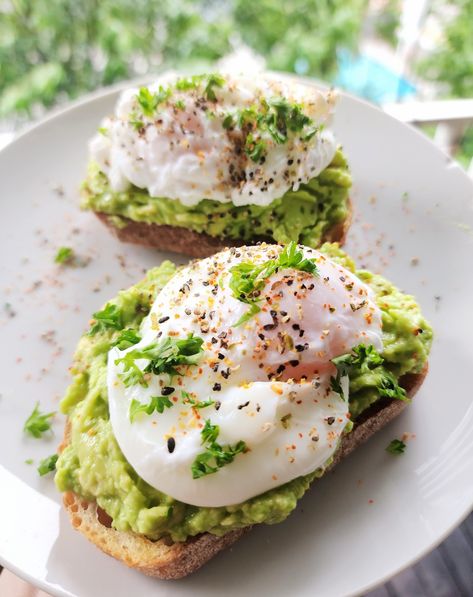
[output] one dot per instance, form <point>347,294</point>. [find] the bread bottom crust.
<point>166,560</point>
<point>195,244</point>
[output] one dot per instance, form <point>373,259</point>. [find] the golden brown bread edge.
<point>195,244</point>
<point>166,560</point>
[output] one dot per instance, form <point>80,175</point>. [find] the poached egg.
<point>263,384</point>
<point>222,137</point>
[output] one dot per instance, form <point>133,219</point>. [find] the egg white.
<point>289,419</point>
<point>186,153</point>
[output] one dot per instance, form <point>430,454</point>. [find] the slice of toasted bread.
<point>196,244</point>
<point>167,560</point>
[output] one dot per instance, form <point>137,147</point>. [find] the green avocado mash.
<point>304,215</point>
<point>93,466</point>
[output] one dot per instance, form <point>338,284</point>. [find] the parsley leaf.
<point>254,148</point>
<point>213,80</point>
<point>396,446</point>
<point>38,423</point>
<point>48,465</point>
<point>156,403</point>
<point>187,83</point>
<point>64,255</point>
<point>364,359</point>
<point>162,357</point>
<point>216,456</point>
<point>149,101</point>
<point>196,403</point>
<point>248,279</point>
<point>126,339</point>
<point>110,317</point>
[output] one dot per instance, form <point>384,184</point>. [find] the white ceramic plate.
<point>376,513</point>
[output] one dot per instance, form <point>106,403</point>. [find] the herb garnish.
<point>365,359</point>
<point>38,423</point>
<point>213,80</point>
<point>156,403</point>
<point>126,339</point>
<point>110,317</point>
<point>162,357</point>
<point>149,101</point>
<point>64,255</point>
<point>47,465</point>
<point>396,446</point>
<point>248,279</point>
<point>216,456</point>
<point>196,403</point>
<point>274,118</point>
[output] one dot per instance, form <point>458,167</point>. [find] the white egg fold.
<point>266,381</point>
<point>184,150</point>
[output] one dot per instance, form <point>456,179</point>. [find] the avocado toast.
<point>162,536</point>
<point>199,163</point>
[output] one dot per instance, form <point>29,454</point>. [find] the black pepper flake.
<point>217,387</point>
<point>301,347</point>
<point>218,404</point>
<point>163,319</point>
<point>270,326</point>
<point>167,390</point>
<point>280,369</point>
<point>221,356</point>
<point>315,438</point>
<point>295,326</point>
<point>273,314</point>
<point>240,406</point>
<point>261,336</point>
<point>294,363</point>
<point>215,367</point>
<point>213,340</point>
<point>330,420</point>
<point>188,311</point>
<point>171,444</point>
<point>225,373</point>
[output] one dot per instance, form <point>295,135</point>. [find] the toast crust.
<point>167,560</point>
<point>196,244</point>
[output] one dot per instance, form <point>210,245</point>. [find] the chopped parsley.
<point>396,446</point>
<point>47,465</point>
<point>38,423</point>
<point>248,279</point>
<point>110,317</point>
<point>179,104</point>
<point>103,130</point>
<point>149,101</point>
<point>162,357</point>
<point>273,119</point>
<point>254,148</point>
<point>365,359</point>
<point>126,339</point>
<point>64,255</point>
<point>196,403</point>
<point>212,81</point>
<point>215,456</point>
<point>156,403</point>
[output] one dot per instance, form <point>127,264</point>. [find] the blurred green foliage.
<point>388,21</point>
<point>452,62</point>
<point>52,49</point>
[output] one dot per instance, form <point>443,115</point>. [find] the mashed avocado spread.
<point>304,215</point>
<point>93,466</point>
